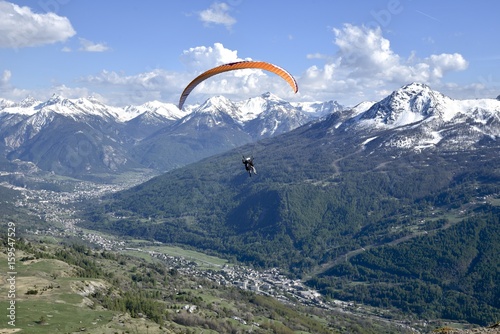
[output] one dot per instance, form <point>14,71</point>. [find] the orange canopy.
<point>237,66</point>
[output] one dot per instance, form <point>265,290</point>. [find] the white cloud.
<point>122,89</point>
<point>218,13</point>
<point>146,80</point>
<point>236,85</point>
<point>365,62</point>
<point>363,66</point>
<point>201,58</point>
<point>445,62</point>
<point>363,51</point>
<point>165,85</point>
<point>88,46</point>
<point>69,92</point>
<point>20,27</point>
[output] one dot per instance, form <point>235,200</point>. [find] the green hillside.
<point>72,289</point>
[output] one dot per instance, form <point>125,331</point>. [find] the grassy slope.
<point>66,301</point>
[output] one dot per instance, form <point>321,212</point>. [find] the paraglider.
<point>247,161</point>
<point>237,66</point>
<point>249,167</point>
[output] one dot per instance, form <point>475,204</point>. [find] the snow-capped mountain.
<point>409,104</point>
<point>67,136</point>
<point>84,135</point>
<point>5,104</point>
<point>276,116</point>
<point>212,128</point>
<point>78,108</point>
<point>153,109</point>
<point>141,121</point>
<point>319,109</point>
<point>425,118</point>
<point>18,107</point>
<point>74,136</point>
<point>259,117</point>
<point>213,112</point>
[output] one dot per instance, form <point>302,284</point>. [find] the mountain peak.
<point>272,97</point>
<point>55,98</point>
<point>415,86</point>
<point>414,91</point>
<point>154,109</point>
<point>409,104</point>
<point>28,101</point>
<point>5,103</point>
<point>217,104</point>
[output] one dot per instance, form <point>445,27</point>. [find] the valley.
<point>59,209</point>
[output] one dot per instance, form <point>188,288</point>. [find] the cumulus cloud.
<point>364,51</point>
<point>88,46</point>
<point>162,84</point>
<point>365,62</point>
<point>238,84</point>
<point>442,63</point>
<point>124,88</point>
<point>364,67</point>
<point>217,13</point>
<point>205,57</point>
<point>20,27</point>
<point>361,67</point>
<point>147,80</point>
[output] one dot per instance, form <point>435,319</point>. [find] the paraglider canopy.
<point>237,66</point>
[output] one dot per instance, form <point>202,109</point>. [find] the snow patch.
<point>368,140</point>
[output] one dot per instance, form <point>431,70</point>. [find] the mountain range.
<point>84,137</point>
<point>81,137</point>
<point>392,203</point>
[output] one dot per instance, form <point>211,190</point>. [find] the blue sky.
<point>130,51</point>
